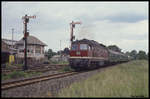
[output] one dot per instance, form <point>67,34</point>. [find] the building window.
<point>21,50</point>
<point>37,51</point>
<point>31,51</point>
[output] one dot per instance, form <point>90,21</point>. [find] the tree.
<point>142,55</point>
<point>114,48</point>
<point>66,51</point>
<point>127,53</point>
<point>133,54</point>
<point>59,52</point>
<point>50,53</point>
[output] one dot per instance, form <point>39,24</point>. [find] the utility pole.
<point>12,36</point>
<point>26,34</point>
<point>60,49</point>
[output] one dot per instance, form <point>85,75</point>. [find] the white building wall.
<point>29,54</point>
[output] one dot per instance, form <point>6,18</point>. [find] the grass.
<point>19,65</point>
<point>124,80</point>
<point>11,66</point>
<point>18,74</point>
<point>59,62</point>
<point>66,69</point>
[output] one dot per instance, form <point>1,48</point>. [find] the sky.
<point>124,24</point>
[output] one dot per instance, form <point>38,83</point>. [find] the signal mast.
<point>72,25</point>
<point>26,34</point>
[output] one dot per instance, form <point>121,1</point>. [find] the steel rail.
<point>18,83</point>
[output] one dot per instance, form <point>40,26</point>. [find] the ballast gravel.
<point>48,88</point>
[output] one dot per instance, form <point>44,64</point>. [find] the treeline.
<point>138,55</point>
<point>51,53</point>
<point>133,54</point>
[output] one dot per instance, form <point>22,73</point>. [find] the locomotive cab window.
<point>74,47</point>
<point>83,47</point>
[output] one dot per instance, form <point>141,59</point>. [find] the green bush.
<point>17,74</point>
<point>59,62</point>
<point>67,68</point>
<point>54,62</point>
<point>19,65</point>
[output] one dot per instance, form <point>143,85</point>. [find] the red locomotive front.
<point>80,50</point>
<point>84,53</point>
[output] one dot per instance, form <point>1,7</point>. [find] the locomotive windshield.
<point>74,47</point>
<point>83,46</point>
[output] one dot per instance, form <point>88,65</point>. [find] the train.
<point>89,54</point>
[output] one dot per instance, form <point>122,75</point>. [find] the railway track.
<point>27,81</point>
<point>42,68</point>
<point>18,83</point>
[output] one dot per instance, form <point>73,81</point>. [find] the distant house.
<point>5,52</point>
<point>35,48</point>
<point>8,51</point>
<point>9,45</point>
<point>5,47</point>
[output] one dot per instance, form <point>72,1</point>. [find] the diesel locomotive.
<point>89,54</point>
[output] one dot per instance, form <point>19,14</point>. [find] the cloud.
<point>129,45</point>
<point>126,17</point>
<point>105,22</point>
<point>110,33</point>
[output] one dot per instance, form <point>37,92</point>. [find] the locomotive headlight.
<point>78,53</point>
